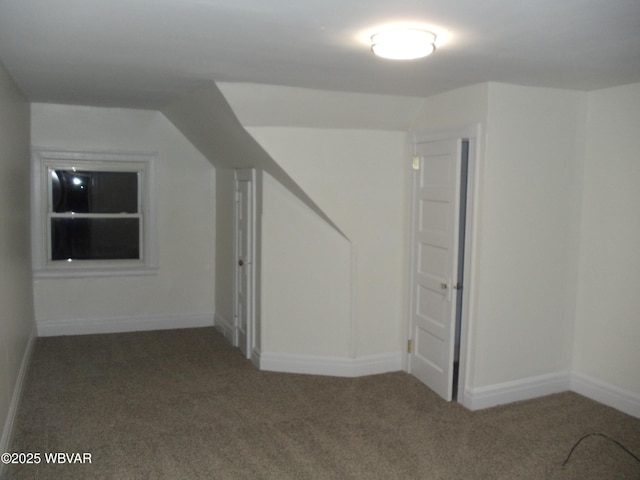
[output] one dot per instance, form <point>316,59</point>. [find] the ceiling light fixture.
<point>403,44</point>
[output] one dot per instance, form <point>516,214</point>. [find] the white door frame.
<point>473,134</point>
<point>245,174</point>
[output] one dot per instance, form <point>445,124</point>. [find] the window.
<point>93,213</point>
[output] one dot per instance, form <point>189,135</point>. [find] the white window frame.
<point>42,162</point>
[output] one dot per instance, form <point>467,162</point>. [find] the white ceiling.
<point>144,53</point>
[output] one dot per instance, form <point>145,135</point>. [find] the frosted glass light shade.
<point>403,44</point>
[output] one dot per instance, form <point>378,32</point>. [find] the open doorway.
<point>462,221</point>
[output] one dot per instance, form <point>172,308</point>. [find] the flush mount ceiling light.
<point>403,44</point>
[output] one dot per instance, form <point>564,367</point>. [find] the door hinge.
<point>409,346</point>
<point>415,162</point>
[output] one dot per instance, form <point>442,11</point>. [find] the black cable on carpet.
<point>604,436</point>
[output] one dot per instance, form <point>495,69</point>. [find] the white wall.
<point>456,108</point>
<point>527,257</point>
<point>182,293</point>
<point>258,105</point>
<point>357,177</point>
<point>305,279</point>
<point>17,327</point>
<point>607,336</point>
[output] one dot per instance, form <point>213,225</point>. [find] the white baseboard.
<point>81,326</point>
<point>7,431</point>
<point>606,393</point>
<point>332,366</point>
<point>528,388</point>
<point>225,327</point>
<point>508,392</point>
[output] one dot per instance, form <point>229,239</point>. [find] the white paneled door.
<point>244,291</point>
<point>435,224</point>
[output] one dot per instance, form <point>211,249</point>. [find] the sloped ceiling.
<point>146,53</point>
<point>169,55</point>
<point>205,118</point>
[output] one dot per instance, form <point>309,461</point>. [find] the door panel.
<point>434,254</point>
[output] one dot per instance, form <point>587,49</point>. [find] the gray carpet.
<point>182,404</point>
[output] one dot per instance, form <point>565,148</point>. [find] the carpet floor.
<point>183,404</point>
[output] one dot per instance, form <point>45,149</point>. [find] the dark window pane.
<point>95,239</point>
<point>94,192</point>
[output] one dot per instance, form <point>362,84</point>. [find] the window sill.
<point>94,272</point>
